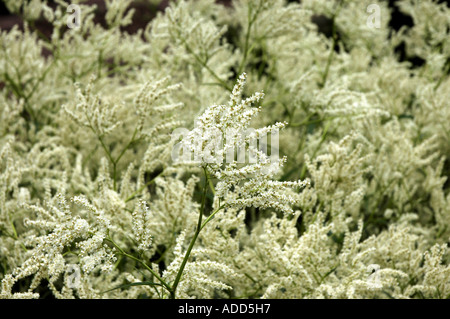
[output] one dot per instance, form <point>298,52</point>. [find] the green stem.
<point>204,64</point>
<point>132,196</point>
<point>99,64</point>
<point>116,161</point>
<point>122,252</point>
<point>247,39</point>
<point>211,216</point>
<point>330,58</point>
<point>211,185</point>
<point>324,134</point>
<point>307,122</point>
<point>331,54</point>
<point>251,20</point>
<point>108,153</point>
<point>18,92</point>
<point>444,74</point>
<point>128,145</point>
<point>194,239</point>
<point>15,235</point>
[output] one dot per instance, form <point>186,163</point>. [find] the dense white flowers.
<point>266,149</point>
<point>141,217</point>
<point>243,179</point>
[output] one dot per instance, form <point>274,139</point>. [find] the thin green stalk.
<point>444,74</point>
<point>334,36</point>
<point>251,20</point>
<point>330,58</point>
<point>211,185</point>
<point>107,151</point>
<point>132,196</point>
<point>307,122</point>
<point>16,236</point>
<point>247,39</point>
<point>17,90</point>
<point>128,145</point>
<point>205,65</point>
<point>41,78</point>
<point>211,216</point>
<point>194,239</point>
<point>324,134</point>
<point>40,34</point>
<point>123,253</point>
<point>108,154</point>
<point>99,64</point>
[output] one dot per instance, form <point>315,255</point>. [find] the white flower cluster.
<point>93,112</point>
<point>197,273</point>
<point>92,206</point>
<point>141,217</point>
<point>240,185</point>
<point>46,257</point>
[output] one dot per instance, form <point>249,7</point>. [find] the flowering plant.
<point>136,161</point>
